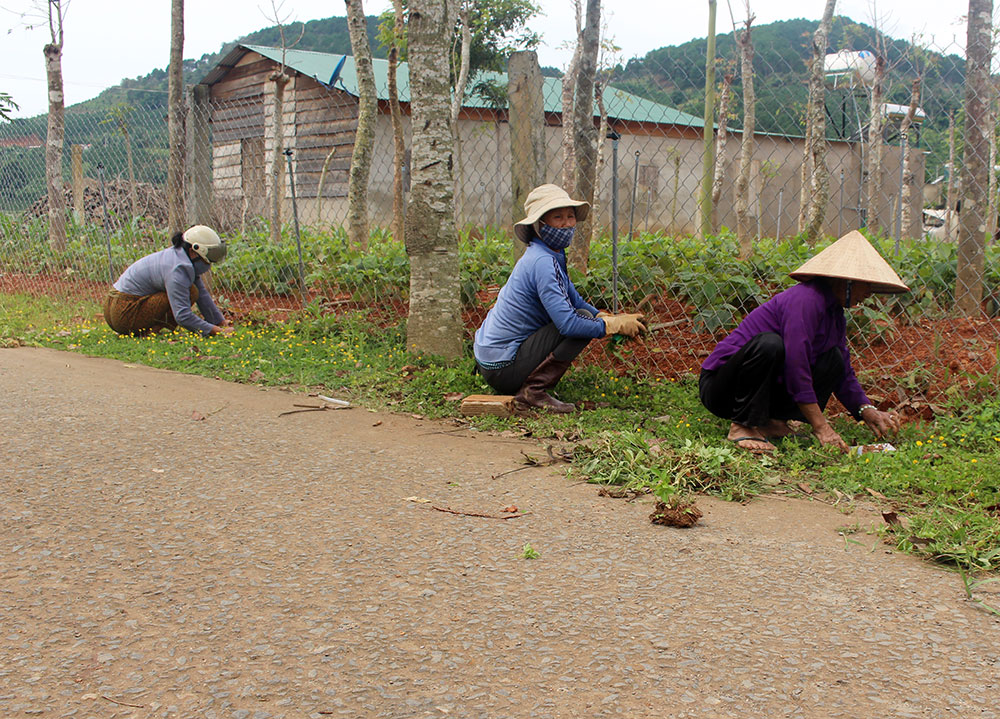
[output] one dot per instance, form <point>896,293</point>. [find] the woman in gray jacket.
<point>156,292</point>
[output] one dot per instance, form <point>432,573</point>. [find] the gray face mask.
<point>200,266</point>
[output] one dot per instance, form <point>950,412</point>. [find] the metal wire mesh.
<point>646,248</point>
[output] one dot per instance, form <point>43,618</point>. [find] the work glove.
<point>629,325</point>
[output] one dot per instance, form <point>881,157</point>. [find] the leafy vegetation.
<point>703,275</point>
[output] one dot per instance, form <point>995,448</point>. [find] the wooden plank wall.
<point>327,121</point>
<point>319,125</point>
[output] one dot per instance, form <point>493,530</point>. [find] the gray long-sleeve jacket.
<point>173,272</point>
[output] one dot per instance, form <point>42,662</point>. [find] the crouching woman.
<point>156,291</point>
<point>540,323</point>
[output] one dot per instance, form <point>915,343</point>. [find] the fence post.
<point>77,160</point>
<point>526,123</point>
<point>199,157</point>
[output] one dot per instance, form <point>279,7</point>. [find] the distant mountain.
<point>675,76</point>
<point>327,35</point>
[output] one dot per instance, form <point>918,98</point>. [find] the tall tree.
<point>399,144</point>
<point>909,180</point>
<point>720,138</point>
<point>462,64</point>
<point>747,139</point>
<point>434,323</point>
<point>56,130</point>
<point>568,116</point>
<point>815,188</point>
<point>279,79</point>
<point>364,136</point>
<point>954,183</point>
<point>175,119</point>
<point>875,141</point>
<point>585,138</point>
<point>972,234</point>
<point>708,151</point>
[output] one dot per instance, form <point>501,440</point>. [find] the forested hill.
<point>327,35</point>
<point>675,76</point>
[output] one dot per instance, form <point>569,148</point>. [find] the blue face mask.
<point>555,238</point>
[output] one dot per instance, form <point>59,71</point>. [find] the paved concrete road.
<point>249,565</point>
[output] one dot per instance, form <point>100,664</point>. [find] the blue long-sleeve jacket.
<point>539,291</point>
<point>173,272</point>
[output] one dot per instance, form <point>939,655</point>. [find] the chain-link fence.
<point>693,255</point>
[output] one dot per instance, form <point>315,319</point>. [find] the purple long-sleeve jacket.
<point>810,321</point>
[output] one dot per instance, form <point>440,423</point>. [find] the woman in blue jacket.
<point>156,291</point>
<point>540,323</point>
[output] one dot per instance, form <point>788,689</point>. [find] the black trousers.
<point>748,389</point>
<point>535,348</point>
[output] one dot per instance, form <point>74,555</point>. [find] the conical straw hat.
<point>852,257</point>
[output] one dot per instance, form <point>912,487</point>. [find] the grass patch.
<point>650,434</point>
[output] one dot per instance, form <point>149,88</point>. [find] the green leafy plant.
<point>529,552</point>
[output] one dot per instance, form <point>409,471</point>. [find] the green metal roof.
<point>320,66</point>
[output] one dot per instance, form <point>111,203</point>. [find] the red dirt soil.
<point>908,366</point>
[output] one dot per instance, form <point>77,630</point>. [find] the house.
<point>28,142</point>
<point>660,151</point>
<point>319,117</point>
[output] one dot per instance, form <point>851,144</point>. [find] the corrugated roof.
<point>320,66</point>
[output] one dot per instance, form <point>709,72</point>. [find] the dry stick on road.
<point>115,701</point>
<point>477,514</point>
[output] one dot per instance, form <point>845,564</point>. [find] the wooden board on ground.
<point>497,404</point>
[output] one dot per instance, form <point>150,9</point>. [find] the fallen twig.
<point>310,408</point>
<point>477,514</point>
<point>124,704</point>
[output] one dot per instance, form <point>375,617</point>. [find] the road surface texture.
<point>171,547</point>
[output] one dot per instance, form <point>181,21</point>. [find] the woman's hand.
<point>827,435</point>
<point>629,325</point>
<point>881,423</point>
<point>223,329</point>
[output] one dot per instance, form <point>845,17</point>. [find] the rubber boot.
<point>545,376</point>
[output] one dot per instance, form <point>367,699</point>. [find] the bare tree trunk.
<point>875,145</point>
<point>457,100</point>
<point>54,140</point>
<point>972,228</point>
<point>585,138</point>
<point>568,113</point>
<point>399,145</point>
<point>708,156</point>
<point>131,169</point>
<point>279,79</point>
<point>906,193</point>
<point>175,119</point>
<point>991,211</point>
<point>434,324</point>
<point>720,138</point>
<point>743,219</point>
<point>814,190</point>
<point>364,136</point>
<point>602,133</point>
<point>526,124</point>
<point>954,181</point>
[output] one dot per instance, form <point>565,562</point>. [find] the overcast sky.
<point>108,40</point>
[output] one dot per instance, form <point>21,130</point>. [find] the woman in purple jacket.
<point>790,354</point>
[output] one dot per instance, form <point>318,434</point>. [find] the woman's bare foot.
<point>776,429</point>
<point>749,438</point>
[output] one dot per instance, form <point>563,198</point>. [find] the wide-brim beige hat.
<point>852,257</point>
<point>542,199</point>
